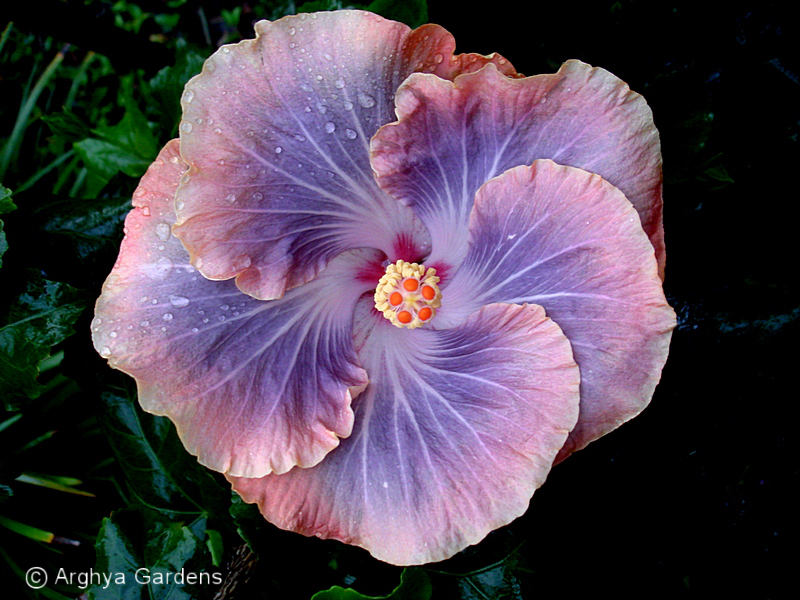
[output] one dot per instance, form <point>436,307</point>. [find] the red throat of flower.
<point>408,294</point>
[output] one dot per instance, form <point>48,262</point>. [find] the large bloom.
<point>310,158</point>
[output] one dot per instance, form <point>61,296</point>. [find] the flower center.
<point>408,294</point>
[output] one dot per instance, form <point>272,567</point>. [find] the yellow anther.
<point>408,294</point>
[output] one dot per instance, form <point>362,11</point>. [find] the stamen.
<point>408,294</point>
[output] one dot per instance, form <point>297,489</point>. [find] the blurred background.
<point>694,498</point>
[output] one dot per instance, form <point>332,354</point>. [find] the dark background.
<point>694,498</point>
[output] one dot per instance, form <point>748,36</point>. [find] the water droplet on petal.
<point>162,231</point>
<point>339,83</point>
<point>167,317</point>
<point>350,134</point>
<point>146,211</point>
<point>188,96</point>
<point>348,105</point>
<point>105,352</point>
<point>300,138</point>
<point>292,31</point>
<point>330,127</point>
<point>438,58</point>
<point>230,198</point>
<point>113,334</point>
<point>186,127</point>
<point>178,301</point>
<point>366,100</point>
<point>278,150</point>
<point>179,205</point>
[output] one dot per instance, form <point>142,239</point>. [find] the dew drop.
<point>339,83</point>
<point>146,211</point>
<point>292,31</point>
<point>366,100</point>
<point>258,196</point>
<point>350,134</point>
<point>278,150</point>
<point>159,269</point>
<point>195,330</point>
<point>327,56</point>
<point>162,231</point>
<point>330,127</point>
<point>179,205</point>
<point>140,192</point>
<point>178,301</point>
<point>348,105</point>
<point>438,59</point>
<point>188,96</point>
<point>167,317</point>
<point>186,127</point>
<point>300,138</point>
<point>217,130</point>
<point>113,334</point>
<point>144,324</point>
<point>224,307</point>
<point>105,352</point>
<point>231,197</point>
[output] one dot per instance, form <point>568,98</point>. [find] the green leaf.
<point>159,473</point>
<point>3,242</point>
<point>40,318</point>
<point>87,226</point>
<point>129,147</point>
<point>6,205</point>
<point>414,585</point>
<point>151,557</point>
<point>411,12</point>
<point>67,126</point>
<point>166,87</point>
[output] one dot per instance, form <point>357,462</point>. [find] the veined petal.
<point>568,240</point>
<point>253,386</point>
<point>455,431</point>
<point>451,137</point>
<point>277,131</point>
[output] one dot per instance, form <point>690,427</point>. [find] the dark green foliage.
<point>39,318</point>
<point>158,471</point>
<point>146,551</point>
<point>414,585</point>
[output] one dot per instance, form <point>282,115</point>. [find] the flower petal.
<point>568,240</point>
<point>453,137</point>
<point>252,386</point>
<point>452,436</point>
<point>277,133</point>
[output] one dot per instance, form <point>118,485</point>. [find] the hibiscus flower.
<point>383,287</point>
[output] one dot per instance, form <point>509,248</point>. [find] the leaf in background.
<point>67,126</point>
<point>88,226</point>
<point>159,472</point>
<point>40,318</point>
<point>411,12</point>
<point>139,539</point>
<point>166,88</point>
<point>414,585</point>
<point>129,147</point>
<point>501,583</point>
<point>6,205</point>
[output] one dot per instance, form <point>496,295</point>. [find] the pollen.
<point>408,294</point>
